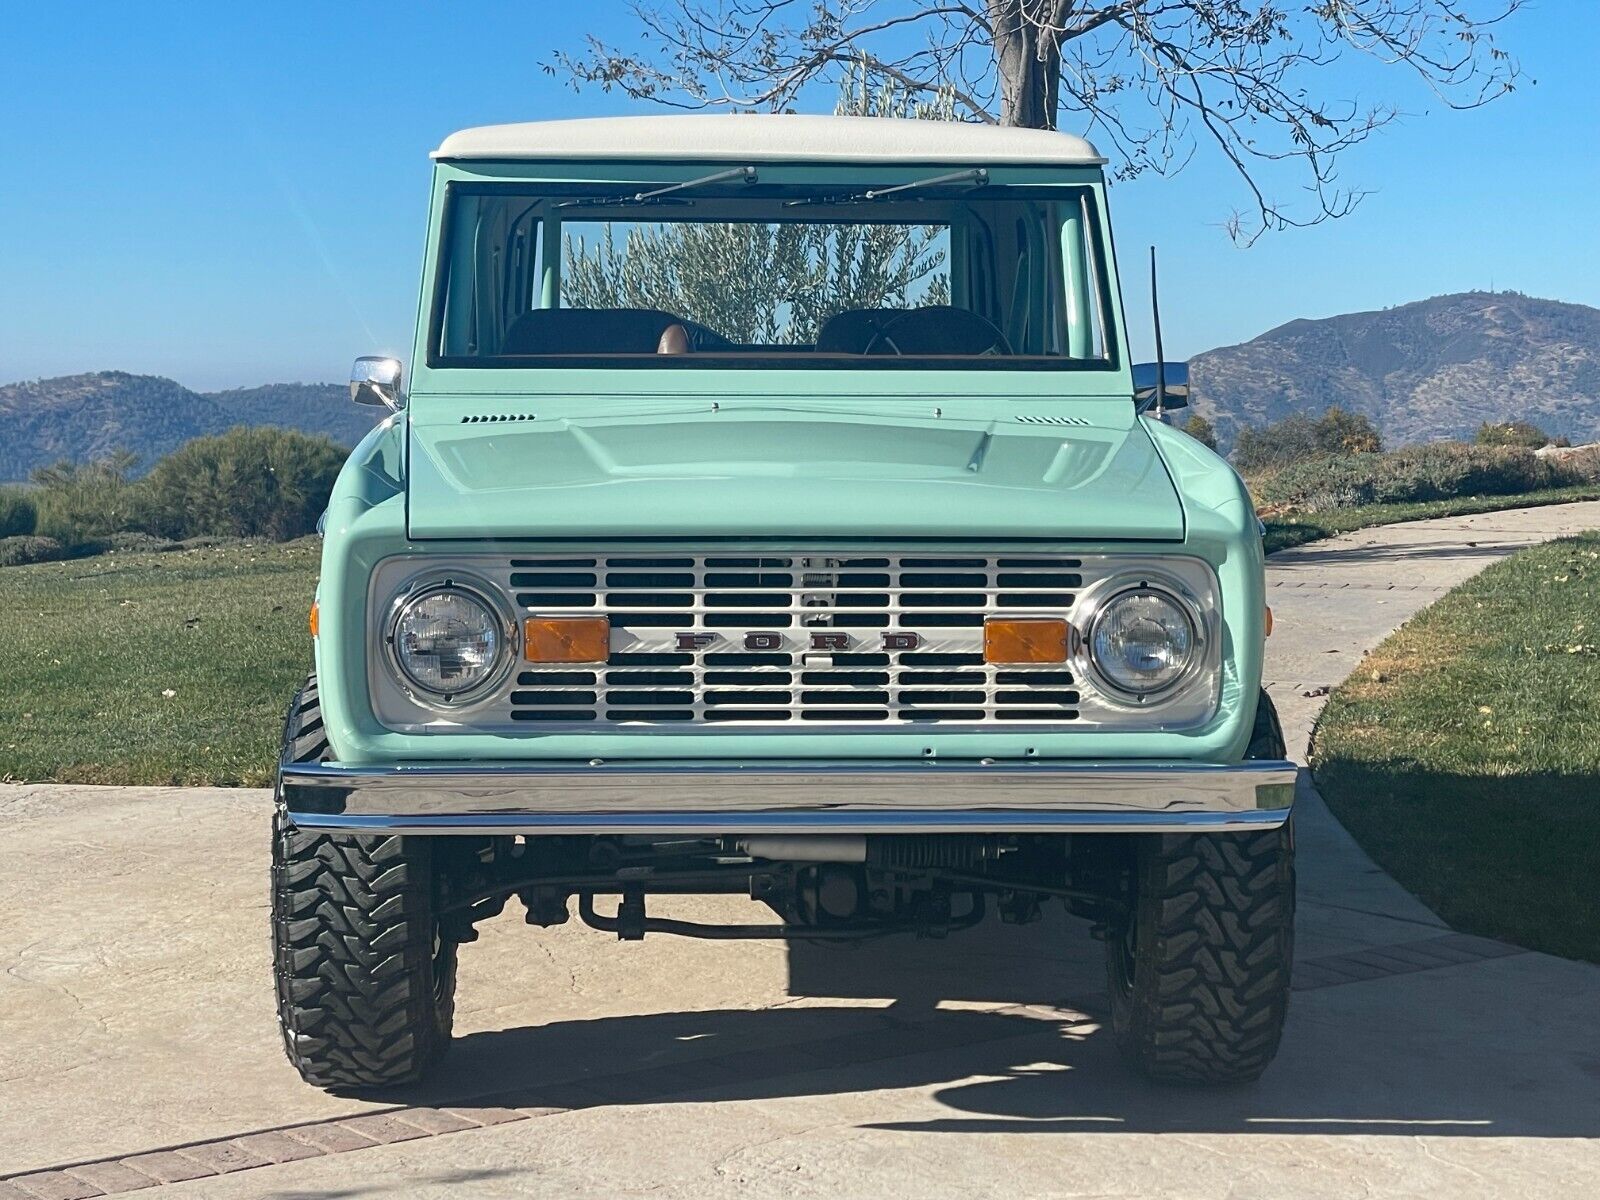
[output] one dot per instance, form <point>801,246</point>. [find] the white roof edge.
<point>728,137</point>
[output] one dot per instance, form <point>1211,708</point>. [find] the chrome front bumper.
<point>794,797</point>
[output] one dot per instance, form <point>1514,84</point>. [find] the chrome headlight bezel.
<point>1095,608</point>
<point>481,592</point>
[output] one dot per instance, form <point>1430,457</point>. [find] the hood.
<point>790,472</point>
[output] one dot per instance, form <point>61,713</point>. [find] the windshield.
<point>734,274</point>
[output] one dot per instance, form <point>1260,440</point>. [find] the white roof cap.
<point>741,137</point>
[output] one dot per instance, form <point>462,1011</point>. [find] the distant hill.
<point>82,417</point>
<point>1437,368</point>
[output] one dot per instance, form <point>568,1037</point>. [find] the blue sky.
<point>235,194</point>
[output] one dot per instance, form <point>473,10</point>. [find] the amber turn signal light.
<point>315,605</point>
<point>1024,640</point>
<point>1269,622</point>
<point>566,639</point>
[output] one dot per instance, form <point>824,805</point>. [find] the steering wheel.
<point>952,330</point>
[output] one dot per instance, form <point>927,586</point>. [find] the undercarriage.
<point>819,887</point>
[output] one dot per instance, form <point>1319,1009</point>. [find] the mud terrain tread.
<point>353,944</point>
<point>304,739</point>
<point>1215,917</point>
<point>1266,738</point>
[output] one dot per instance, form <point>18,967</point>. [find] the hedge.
<point>1437,471</point>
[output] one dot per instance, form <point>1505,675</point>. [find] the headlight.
<point>1143,641</point>
<point>449,641</point>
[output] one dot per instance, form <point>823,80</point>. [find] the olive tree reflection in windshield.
<point>755,282</point>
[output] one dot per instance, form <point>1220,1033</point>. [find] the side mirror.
<point>377,381</point>
<point>1175,390</point>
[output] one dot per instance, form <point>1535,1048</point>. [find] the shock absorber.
<point>923,852</point>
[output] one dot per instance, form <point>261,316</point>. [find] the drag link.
<point>631,924</point>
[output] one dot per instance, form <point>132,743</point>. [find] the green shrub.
<point>248,482</point>
<point>1349,433</point>
<point>1512,433</point>
<point>19,515</point>
<point>1201,430</point>
<point>19,551</point>
<point>1297,438</point>
<point>1437,471</point>
<point>80,503</point>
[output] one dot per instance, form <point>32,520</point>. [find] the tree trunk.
<point>1027,57</point>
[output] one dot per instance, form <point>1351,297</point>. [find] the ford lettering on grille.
<point>771,640</point>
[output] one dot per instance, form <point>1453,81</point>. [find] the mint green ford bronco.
<point>772,511</point>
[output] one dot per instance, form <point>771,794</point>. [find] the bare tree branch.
<point>1156,81</point>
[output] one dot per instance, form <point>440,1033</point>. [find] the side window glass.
<point>1084,322</point>
<point>493,268</point>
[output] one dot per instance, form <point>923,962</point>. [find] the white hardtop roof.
<point>741,137</point>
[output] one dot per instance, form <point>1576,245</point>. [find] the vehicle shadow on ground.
<point>1035,1070</point>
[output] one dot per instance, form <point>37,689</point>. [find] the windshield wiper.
<point>974,177</point>
<point>662,195</point>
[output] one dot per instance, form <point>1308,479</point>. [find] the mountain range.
<point>84,417</point>
<point>1432,369</point>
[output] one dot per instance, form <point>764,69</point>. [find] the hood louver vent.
<point>495,418</point>
<point>1044,420</point>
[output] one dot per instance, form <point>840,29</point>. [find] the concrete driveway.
<point>138,1049</point>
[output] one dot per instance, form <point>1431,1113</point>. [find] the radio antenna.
<point>1161,356</point>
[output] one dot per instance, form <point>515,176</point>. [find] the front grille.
<point>785,641</point>
<point>779,639</point>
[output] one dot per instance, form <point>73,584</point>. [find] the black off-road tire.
<point>1198,970</point>
<point>366,985</point>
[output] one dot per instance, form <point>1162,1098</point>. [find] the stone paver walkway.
<point>137,1037</point>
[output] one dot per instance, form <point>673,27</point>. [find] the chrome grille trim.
<point>943,597</point>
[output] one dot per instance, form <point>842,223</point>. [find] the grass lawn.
<point>95,644</point>
<point>1465,754</point>
<point>1295,529</point>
